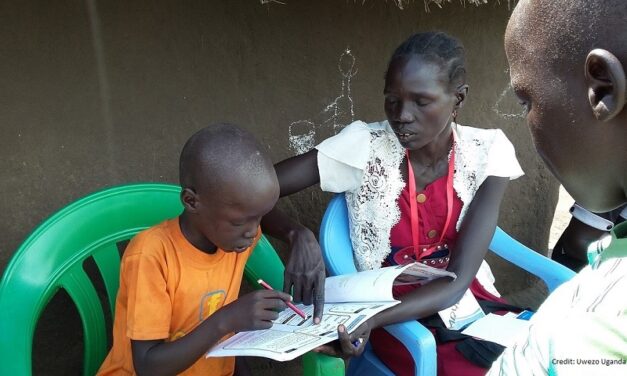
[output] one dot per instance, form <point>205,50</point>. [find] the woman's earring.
<point>455,116</point>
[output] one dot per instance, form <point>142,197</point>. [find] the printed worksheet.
<point>350,300</point>
<point>292,336</point>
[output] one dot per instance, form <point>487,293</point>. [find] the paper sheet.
<point>292,336</point>
<point>500,329</point>
<point>350,300</point>
<point>462,313</point>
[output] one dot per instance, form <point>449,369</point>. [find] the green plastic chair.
<point>52,257</point>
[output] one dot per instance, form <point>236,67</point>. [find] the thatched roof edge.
<point>401,3</point>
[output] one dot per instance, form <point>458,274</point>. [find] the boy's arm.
<point>304,271</point>
<point>252,311</point>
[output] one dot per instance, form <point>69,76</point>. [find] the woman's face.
<point>418,101</point>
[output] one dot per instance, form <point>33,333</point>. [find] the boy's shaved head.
<point>229,184</point>
<point>222,155</point>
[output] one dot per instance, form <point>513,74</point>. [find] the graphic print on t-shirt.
<point>210,303</point>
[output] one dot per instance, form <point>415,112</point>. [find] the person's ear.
<point>460,93</point>
<point>189,200</point>
<point>607,86</point>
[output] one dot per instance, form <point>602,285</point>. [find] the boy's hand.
<point>305,271</point>
<point>254,311</point>
<point>346,345</point>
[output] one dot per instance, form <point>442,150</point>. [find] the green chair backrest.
<point>52,258</point>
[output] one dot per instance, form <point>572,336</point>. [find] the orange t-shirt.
<point>167,288</point>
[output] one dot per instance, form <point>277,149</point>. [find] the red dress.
<point>432,217</point>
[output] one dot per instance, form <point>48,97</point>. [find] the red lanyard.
<point>415,230</point>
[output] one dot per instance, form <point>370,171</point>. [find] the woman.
<point>418,187</point>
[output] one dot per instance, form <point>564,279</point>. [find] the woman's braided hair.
<point>439,48</point>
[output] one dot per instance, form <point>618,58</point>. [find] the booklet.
<point>349,300</point>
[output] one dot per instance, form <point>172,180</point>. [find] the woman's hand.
<point>305,271</point>
<point>346,345</point>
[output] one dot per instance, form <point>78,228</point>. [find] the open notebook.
<point>349,300</point>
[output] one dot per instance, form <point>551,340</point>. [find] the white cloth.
<point>581,328</point>
<point>363,161</point>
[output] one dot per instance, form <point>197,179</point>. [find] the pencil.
<point>289,304</point>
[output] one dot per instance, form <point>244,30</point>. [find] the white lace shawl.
<point>363,161</point>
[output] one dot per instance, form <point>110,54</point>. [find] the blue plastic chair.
<point>338,256</point>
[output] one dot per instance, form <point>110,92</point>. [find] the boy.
<point>567,65</point>
<point>179,280</point>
